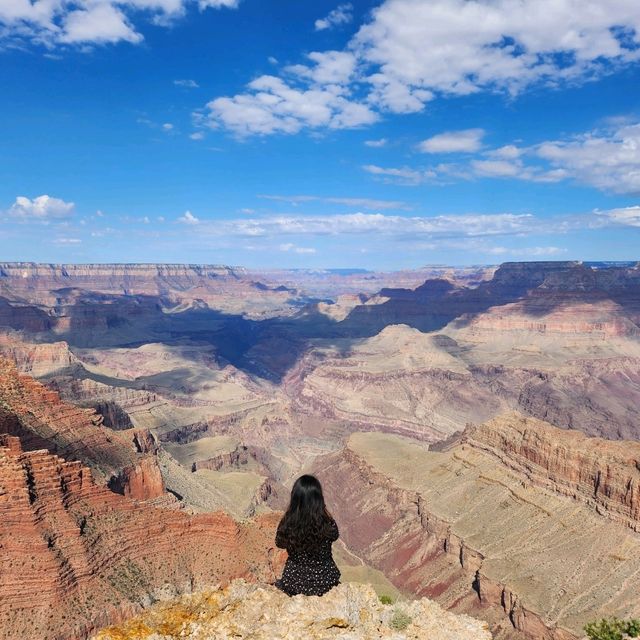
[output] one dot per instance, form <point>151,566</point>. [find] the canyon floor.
<point>477,429</point>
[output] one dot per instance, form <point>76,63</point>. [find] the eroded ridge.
<point>43,421</point>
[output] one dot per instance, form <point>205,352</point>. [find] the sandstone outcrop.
<point>36,359</point>
<point>348,612</point>
<point>495,526</point>
<point>143,481</point>
<point>605,475</point>
<point>75,556</point>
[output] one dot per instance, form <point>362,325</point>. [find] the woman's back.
<point>307,532</point>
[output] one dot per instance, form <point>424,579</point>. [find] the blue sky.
<point>269,133</point>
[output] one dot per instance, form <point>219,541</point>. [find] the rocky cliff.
<point>246,611</point>
<point>53,294</point>
<point>131,278</point>
<point>75,556</point>
<point>36,359</point>
<point>43,421</point>
<point>494,526</point>
<point>602,474</point>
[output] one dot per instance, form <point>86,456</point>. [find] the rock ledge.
<point>242,610</point>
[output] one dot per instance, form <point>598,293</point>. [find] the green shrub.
<point>613,629</point>
<point>386,599</point>
<point>400,620</point>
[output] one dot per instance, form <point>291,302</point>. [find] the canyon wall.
<point>518,543</point>
<point>605,475</point>
<point>43,421</point>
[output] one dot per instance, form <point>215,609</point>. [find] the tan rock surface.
<point>603,474</point>
<point>245,611</point>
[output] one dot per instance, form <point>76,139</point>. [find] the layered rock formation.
<point>36,359</point>
<point>43,421</point>
<point>604,475</point>
<point>528,526</point>
<point>401,380</point>
<point>610,296</point>
<point>75,556</point>
<point>188,286</point>
<point>348,612</point>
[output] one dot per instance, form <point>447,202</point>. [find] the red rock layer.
<point>36,358</point>
<point>75,556</point>
<point>601,473</point>
<point>43,421</point>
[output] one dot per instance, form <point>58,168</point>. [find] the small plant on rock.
<point>400,620</point>
<point>385,599</point>
<point>613,629</point>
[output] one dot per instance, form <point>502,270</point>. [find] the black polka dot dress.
<point>311,571</point>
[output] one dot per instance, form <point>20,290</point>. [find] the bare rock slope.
<point>43,421</point>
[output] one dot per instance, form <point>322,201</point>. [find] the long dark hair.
<point>307,521</point>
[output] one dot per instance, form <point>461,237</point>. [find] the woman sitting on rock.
<point>307,531</point>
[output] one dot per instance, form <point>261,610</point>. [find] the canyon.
<point>192,396</point>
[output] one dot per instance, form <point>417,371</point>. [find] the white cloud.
<point>99,24</point>
<point>412,51</point>
<point>466,141</point>
<point>41,208</point>
<point>339,16</point>
<point>187,84</point>
<point>525,251</point>
<point>67,241</point>
<point>167,126</point>
<point>89,22</point>
<point>188,218</point>
<point>272,60</point>
<point>198,135</point>
<point>508,152</point>
<point>219,4</point>
<point>376,144</point>
<point>367,203</point>
<point>476,45</point>
<point>327,68</point>
<point>623,216</point>
<point>497,168</point>
<point>402,175</point>
<point>273,106</point>
<point>609,161</point>
<point>289,246</point>
<point>472,225</point>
